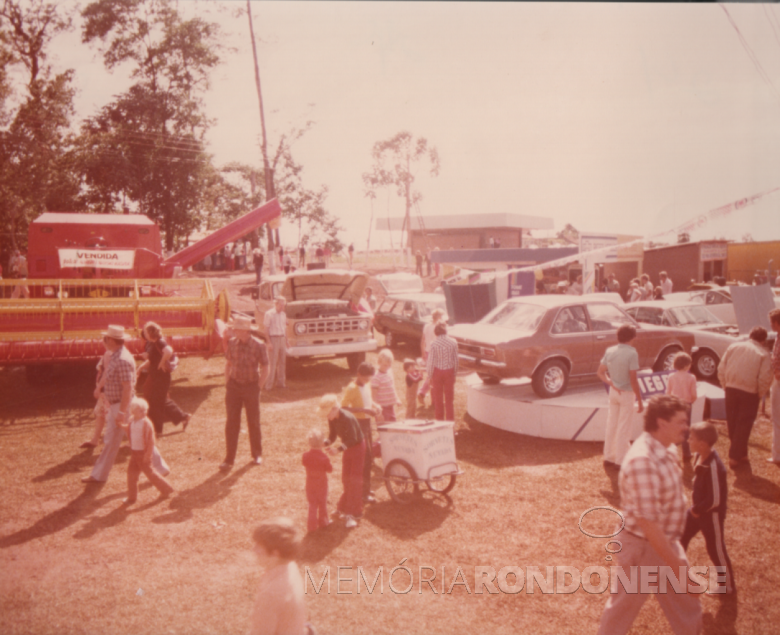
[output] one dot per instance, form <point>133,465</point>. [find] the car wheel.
<point>666,359</point>
<point>390,339</point>
<point>354,360</point>
<point>550,379</point>
<point>490,380</point>
<point>705,365</point>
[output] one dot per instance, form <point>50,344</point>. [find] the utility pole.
<point>270,191</point>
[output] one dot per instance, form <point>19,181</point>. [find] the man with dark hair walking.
<point>745,372</point>
<point>654,508</point>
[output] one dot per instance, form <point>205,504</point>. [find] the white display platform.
<point>579,415</point>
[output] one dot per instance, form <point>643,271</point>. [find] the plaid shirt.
<point>244,359</point>
<point>443,354</point>
<point>121,368</point>
<point>776,355</point>
<point>651,487</point>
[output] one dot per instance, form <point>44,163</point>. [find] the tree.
<point>393,161</point>
<point>146,148</point>
<point>36,154</point>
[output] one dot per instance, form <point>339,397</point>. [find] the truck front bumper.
<point>335,349</point>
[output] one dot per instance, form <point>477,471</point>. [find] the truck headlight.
<point>300,328</point>
<point>363,325</point>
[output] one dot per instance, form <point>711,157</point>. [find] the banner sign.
<point>713,251</point>
<point>101,258</point>
<point>592,242</point>
<point>652,384</point>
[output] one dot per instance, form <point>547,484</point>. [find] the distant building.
<point>466,231</point>
<point>745,259</point>
<point>687,262</point>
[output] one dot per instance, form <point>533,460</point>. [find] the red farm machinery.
<point>87,271</point>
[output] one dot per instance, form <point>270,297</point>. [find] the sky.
<point>624,118</point>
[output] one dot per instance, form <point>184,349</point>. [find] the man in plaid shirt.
<point>442,368</point>
<point>246,371</point>
<point>119,389</point>
<point>654,507</point>
<point>774,319</point>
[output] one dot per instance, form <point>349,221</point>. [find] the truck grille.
<point>333,326</point>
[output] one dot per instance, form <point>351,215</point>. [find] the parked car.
<point>711,334</point>
<point>550,338</point>
<point>399,282</point>
<point>402,316</point>
<point>717,300</point>
<point>323,319</point>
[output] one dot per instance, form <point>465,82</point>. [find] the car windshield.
<point>402,284</point>
<point>686,315</point>
<point>515,315</point>
<point>426,308</point>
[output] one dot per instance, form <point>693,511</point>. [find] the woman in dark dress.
<point>161,407</point>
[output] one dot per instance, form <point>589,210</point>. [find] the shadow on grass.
<point>425,513</point>
<point>724,622</point>
<point>65,388</point>
<point>73,465</point>
<point>212,490</point>
<point>75,510</point>
<point>756,486</point>
<point>116,516</point>
<point>485,446</point>
<point>316,545</point>
<point>613,495</point>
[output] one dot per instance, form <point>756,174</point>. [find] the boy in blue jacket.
<point>709,501</point>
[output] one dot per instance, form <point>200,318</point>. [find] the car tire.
<point>489,380</point>
<point>390,339</point>
<point>705,365</point>
<point>665,360</point>
<point>551,379</point>
<point>354,360</point>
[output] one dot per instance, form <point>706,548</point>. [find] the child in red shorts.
<point>317,466</point>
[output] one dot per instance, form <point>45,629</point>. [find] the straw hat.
<point>241,323</point>
<point>116,332</point>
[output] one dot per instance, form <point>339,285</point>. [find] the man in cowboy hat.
<point>119,389</point>
<point>246,371</point>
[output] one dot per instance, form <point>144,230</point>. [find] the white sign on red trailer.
<point>102,258</point>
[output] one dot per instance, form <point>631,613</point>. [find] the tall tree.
<point>393,162</point>
<point>35,112</point>
<point>146,148</point>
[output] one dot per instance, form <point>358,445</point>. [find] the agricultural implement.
<point>90,270</point>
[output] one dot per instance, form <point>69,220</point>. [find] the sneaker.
<point>128,501</point>
<point>351,522</point>
<point>258,460</point>
<point>225,467</point>
<point>370,498</point>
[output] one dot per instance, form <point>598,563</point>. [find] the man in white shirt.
<point>646,287</point>
<point>666,283</point>
<point>576,287</point>
<point>275,321</point>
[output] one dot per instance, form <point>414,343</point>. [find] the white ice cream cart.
<point>415,451</point>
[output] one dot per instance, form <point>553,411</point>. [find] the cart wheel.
<point>441,484</point>
<point>399,480</point>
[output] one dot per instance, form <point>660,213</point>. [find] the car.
<point>402,316</point>
<point>717,300</point>
<point>551,338</point>
<point>324,318</point>
<point>399,282</point>
<point>711,334</point>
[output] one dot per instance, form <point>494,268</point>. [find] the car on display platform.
<point>711,334</point>
<point>402,316</point>
<point>324,314</point>
<point>718,301</point>
<point>551,338</point>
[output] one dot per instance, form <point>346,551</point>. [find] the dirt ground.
<point>73,559</point>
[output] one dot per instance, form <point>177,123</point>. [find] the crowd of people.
<point>659,524</point>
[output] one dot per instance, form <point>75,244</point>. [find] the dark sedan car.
<point>401,317</point>
<point>550,338</point>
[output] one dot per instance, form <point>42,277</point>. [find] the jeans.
<point>351,501</point>
<point>247,396</point>
<point>443,393</point>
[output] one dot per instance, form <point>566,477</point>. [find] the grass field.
<point>75,560</point>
